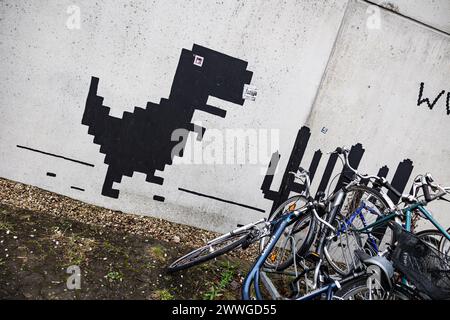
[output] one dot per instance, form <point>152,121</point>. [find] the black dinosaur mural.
<point>142,141</point>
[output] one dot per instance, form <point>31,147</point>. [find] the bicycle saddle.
<point>387,270</point>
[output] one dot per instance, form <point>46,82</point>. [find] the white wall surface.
<point>370,91</point>
<point>435,13</point>
<point>307,71</point>
<point>134,47</point>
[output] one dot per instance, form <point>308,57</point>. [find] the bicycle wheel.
<point>435,239</point>
<point>211,251</point>
<point>357,290</point>
<point>297,237</point>
<point>362,206</point>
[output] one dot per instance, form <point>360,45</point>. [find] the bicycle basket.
<point>424,266</point>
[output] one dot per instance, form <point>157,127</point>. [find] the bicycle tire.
<point>296,229</point>
<point>185,262</point>
<point>358,285</point>
<point>436,239</point>
<point>357,237</point>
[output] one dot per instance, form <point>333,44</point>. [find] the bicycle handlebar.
<point>304,174</point>
<point>426,182</point>
<point>344,151</point>
<point>379,180</point>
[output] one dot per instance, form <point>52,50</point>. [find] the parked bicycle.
<point>320,275</point>
<point>334,243</point>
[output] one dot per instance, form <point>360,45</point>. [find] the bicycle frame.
<point>421,207</point>
<point>408,219</point>
<point>243,228</point>
<point>254,275</point>
<point>358,213</point>
<point>336,200</point>
<point>329,289</point>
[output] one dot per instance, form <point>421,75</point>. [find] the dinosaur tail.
<point>95,114</point>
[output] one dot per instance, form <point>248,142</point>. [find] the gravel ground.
<point>39,254</point>
<point>38,200</point>
<point>122,256</point>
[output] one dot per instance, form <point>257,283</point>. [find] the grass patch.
<point>158,253</point>
<point>76,249</point>
<point>226,277</point>
<point>108,246</point>
<point>75,258</point>
<point>114,276</point>
<point>6,226</point>
<point>163,295</point>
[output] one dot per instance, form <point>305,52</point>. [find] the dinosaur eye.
<point>198,60</point>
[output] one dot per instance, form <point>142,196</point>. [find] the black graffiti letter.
<point>422,100</point>
<point>448,103</point>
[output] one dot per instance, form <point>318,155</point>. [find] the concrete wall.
<point>434,13</point>
<point>328,65</point>
<point>370,95</point>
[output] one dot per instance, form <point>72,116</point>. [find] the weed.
<point>75,253</point>
<point>113,276</point>
<point>226,277</point>
<point>149,265</point>
<point>76,258</point>
<point>6,226</point>
<point>213,293</point>
<point>111,248</point>
<point>164,295</point>
<point>158,253</point>
<point>66,225</point>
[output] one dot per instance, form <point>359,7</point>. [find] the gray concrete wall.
<point>322,64</point>
<point>435,13</point>
<point>370,94</point>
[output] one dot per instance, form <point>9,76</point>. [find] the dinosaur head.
<point>205,72</point>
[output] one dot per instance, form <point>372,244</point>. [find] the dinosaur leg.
<point>111,177</point>
<point>154,179</point>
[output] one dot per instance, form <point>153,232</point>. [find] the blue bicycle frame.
<point>281,223</point>
<point>254,274</point>
<point>358,213</point>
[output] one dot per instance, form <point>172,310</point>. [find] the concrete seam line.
<point>406,17</point>
<point>330,57</point>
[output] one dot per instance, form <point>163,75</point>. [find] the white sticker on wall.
<point>198,60</point>
<point>250,92</point>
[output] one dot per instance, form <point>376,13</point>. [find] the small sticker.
<point>324,130</point>
<point>198,60</point>
<point>249,92</point>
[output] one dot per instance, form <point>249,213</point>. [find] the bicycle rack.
<point>270,287</point>
<point>268,284</point>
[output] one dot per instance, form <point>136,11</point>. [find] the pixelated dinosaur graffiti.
<point>141,141</point>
